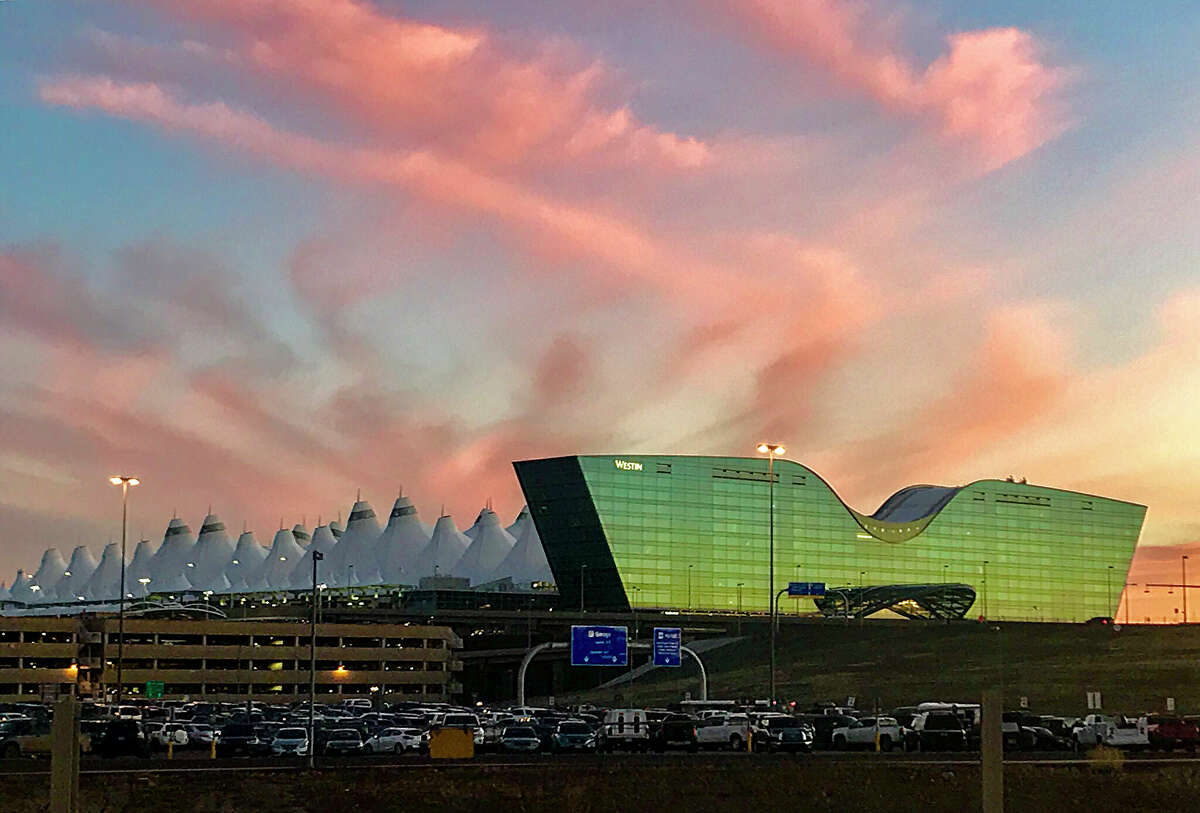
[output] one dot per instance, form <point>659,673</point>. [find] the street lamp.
<point>1108,582</point>
<point>985,590</point>
<point>582,571</point>
<point>771,450</point>
<point>312,658</point>
<point>125,482</point>
<point>689,586</point>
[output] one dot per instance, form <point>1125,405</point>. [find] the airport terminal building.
<point>692,533</point>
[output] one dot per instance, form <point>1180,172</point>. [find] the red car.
<point>1169,733</point>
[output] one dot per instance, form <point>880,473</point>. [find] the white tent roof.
<point>488,549</point>
<point>401,543</point>
<point>211,556</point>
<point>322,542</point>
<point>442,553</point>
<point>526,562</point>
<point>48,574</point>
<point>247,559</point>
<point>337,529</point>
<point>518,527</point>
<point>139,568</point>
<point>105,582</point>
<point>353,559</point>
<point>168,568</point>
<point>3,590</point>
<point>278,564</point>
<point>75,577</point>
<point>474,529</point>
<point>21,588</point>
<point>301,534</point>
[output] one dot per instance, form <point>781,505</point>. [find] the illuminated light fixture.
<point>863,536</point>
<point>775,449</point>
<point>191,564</point>
<point>66,573</point>
<point>144,580</point>
<point>236,562</point>
<point>283,558</point>
<point>116,481</point>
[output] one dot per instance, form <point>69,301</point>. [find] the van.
<point>625,728</point>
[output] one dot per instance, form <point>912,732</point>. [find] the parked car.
<point>393,741</point>
<point>1128,732</point>
<point>120,738</point>
<point>625,728</point>
<point>862,733</point>
<point>175,733</point>
<point>343,741</point>
<point>201,734</point>
<point>724,730</point>
<point>936,731</point>
<point>520,738</point>
<point>238,738</point>
<point>289,741</point>
<point>1040,738</point>
<point>678,731</point>
<point>1168,733</point>
<point>824,725</point>
<point>467,722</point>
<point>573,735</point>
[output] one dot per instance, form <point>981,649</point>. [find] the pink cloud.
<point>420,85</point>
<point>991,89</point>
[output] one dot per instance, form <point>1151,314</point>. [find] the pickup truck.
<point>936,731</point>
<point>1114,731</point>
<point>782,732</point>
<point>723,731</point>
<point>1169,733</point>
<point>861,734</point>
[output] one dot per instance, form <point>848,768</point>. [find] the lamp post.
<point>985,590</point>
<point>125,482</point>
<point>582,572</point>
<point>1183,562</point>
<point>689,586</point>
<point>312,660</point>
<point>740,585</point>
<point>861,615</point>
<point>945,573</point>
<point>771,450</point>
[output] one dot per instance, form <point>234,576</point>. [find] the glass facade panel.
<point>692,533</point>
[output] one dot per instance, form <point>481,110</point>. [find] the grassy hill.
<point>896,663</point>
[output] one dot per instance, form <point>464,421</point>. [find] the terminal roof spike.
<point>323,542</point>
<point>443,552</point>
<point>401,543</point>
<point>21,589</point>
<point>105,583</point>
<point>139,568</point>
<point>526,562</point>
<point>75,577</point>
<point>353,561</point>
<point>211,556</point>
<point>247,559</point>
<point>278,564</point>
<point>488,548</point>
<point>48,574</point>
<point>169,565</point>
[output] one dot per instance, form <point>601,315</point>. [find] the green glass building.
<point>692,533</point>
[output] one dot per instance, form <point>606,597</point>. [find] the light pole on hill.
<point>1183,562</point>
<point>312,660</point>
<point>125,482</point>
<point>771,450</point>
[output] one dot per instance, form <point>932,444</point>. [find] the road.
<point>196,763</point>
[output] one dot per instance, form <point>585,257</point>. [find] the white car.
<point>724,731</point>
<point>861,734</point>
<point>176,733</point>
<point>202,734</point>
<point>290,741</point>
<point>394,741</point>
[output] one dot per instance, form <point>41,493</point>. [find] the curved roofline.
<point>899,531</point>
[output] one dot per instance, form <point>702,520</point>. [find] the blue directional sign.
<point>806,588</point>
<point>599,646</point>
<point>667,641</point>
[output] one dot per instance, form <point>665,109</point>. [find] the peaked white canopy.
<point>139,568</point>
<point>247,559</point>
<point>518,527</point>
<point>48,574</point>
<point>487,550</point>
<point>323,543</point>
<point>169,566</point>
<point>301,534</point>
<point>211,556</point>
<point>21,589</point>
<point>105,583</point>
<point>3,590</point>
<point>526,562</point>
<point>75,577</point>
<point>442,553</point>
<point>401,543</point>
<point>353,559</point>
<point>279,562</point>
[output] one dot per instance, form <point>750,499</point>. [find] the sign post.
<point>667,643</point>
<point>806,589</point>
<point>599,646</point>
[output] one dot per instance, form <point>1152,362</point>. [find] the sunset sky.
<point>263,253</point>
